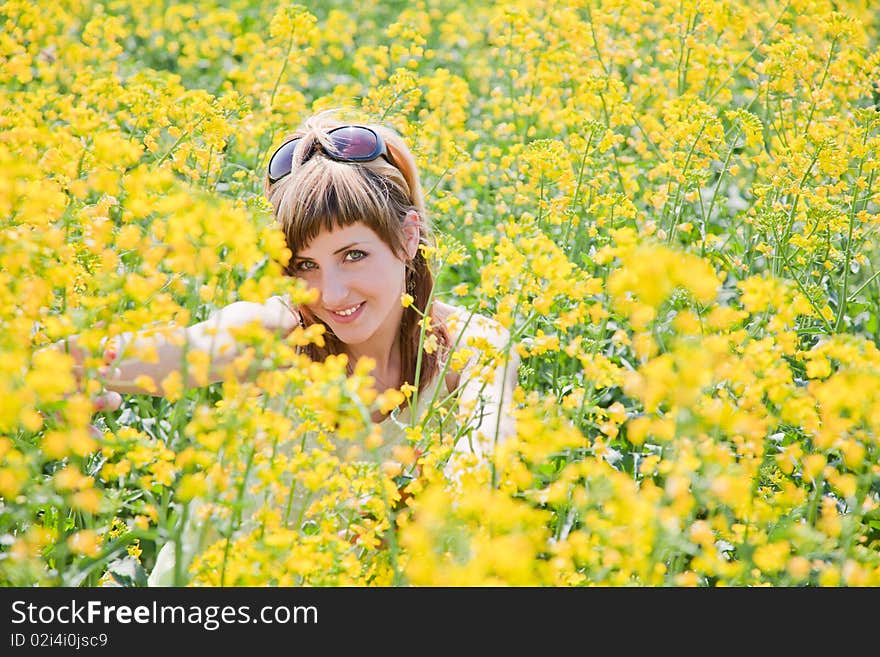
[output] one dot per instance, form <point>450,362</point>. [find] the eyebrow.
<point>344,248</point>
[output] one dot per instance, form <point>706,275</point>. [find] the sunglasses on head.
<point>350,143</point>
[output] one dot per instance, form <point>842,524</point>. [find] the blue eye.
<point>356,253</point>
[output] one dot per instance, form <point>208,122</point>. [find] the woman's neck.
<point>386,371</point>
<point>384,349</point>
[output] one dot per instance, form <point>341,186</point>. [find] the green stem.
<point>602,98</point>
<point>235,521</point>
<point>577,187</point>
<point>849,250</point>
<point>821,84</point>
<point>289,506</point>
<point>681,73</point>
<point>805,293</point>
<point>708,214</point>
<point>447,360</point>
<point>415,394</point>
<point>650,143</point>
<point>863,286</point>
<point>501,397</point>
<point>788,225</point>
<point>841,309</point>
<point>751,54</point>
<point>183,136</point>
<point>178,546</point>
<point>684,171</point>
<point>283,69</point>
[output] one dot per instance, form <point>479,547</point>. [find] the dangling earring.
<point>410,277</point>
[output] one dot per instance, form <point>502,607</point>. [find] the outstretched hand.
<point>281,315</point>
<point>277,314</point>
<point>105,400</point>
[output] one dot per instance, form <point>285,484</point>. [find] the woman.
<point>330,187</point>
<point>350,204</point>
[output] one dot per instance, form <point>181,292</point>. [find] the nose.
<point>334,289</point>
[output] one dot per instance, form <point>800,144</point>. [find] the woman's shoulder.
<point>474,333</point>
<point>470,323</point>
<point>444,311</point>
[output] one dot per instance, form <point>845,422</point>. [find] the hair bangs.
<point>325,195</point>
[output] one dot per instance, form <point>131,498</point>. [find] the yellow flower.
<point>190,486</point>
<point>405,454</point>
<point>390,399</point>
<point>813,465</point>
<point>772,557</point>
<point>85,542</point>
<point>430,345</point>
<point>799,568</point>
<point>198,364</point>
<point>146,382</point>
<point>374,440</point>
<point>172,386</point>
<point>88,500</point>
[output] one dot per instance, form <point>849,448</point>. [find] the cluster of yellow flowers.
<point>671,206</point>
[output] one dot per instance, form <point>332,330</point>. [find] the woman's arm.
<point>486,387</point>
<point>156,353</point>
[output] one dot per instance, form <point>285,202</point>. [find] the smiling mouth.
<point>350,311</point>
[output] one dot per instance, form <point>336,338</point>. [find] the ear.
<point>411,233</point>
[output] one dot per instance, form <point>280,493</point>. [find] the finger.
<point>114,400</point>
<point>108,373</point>
<point>108,401</point>
<point>70,347</point>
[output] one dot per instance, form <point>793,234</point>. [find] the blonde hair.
<point>324,194</point>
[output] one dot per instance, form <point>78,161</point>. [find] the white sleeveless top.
<point>434,398</point>
<point>401,418</point>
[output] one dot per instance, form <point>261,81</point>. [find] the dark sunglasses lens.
<point>356,143</point>
<point>282,161</point>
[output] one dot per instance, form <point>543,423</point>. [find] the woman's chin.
<point>349,333</point>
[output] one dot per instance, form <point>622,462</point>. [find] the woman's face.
<point>359,282</point>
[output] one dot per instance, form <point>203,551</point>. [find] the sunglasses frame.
<point>381,150</point>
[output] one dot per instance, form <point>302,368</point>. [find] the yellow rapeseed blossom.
<point>85,542</point>
<point>685,278</point>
